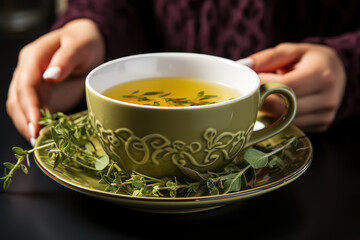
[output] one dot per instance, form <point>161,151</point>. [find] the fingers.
<point>314,72</point>
<point>314,113</point>
<point>73,49</point>
<point>277,58</point>
<point>302,81</point>
<point>23,102</point>
<point>15,111</point>
<point>316,107</point>
<point>26,121</point>
<point>285,63</point>
<point>81,48</point>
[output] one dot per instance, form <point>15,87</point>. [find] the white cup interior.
<point>187,65</point>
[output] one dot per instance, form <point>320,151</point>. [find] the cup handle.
<point>285,119</point>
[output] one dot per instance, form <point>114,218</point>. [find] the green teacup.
<point>155,140</point>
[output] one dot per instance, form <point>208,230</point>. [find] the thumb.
<point>281,57</point>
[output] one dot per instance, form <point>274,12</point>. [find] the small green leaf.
<point>232,182</point>
<point>130,96</point>
<point>7,183</point>
<point>156,191</point>
<point>201,93</point>
<point>102,162</point>
<point>152,93</point>
<point>137,184</point>
<point>211,184</point>
<point>256,158</point>
<point>8,165</point>
<point>244,182</point>
<point>4,177</point>
<point>213,190</point>
<point>172,185</point>
<point>57,158</point>
<point>136,193</point>
<point>55,136</point>
<point>204,98</point>
<point>24,169</point>
<point>275,161</point>
<point>19,151</point>
<point>164,95</point>
<point>143,99</point>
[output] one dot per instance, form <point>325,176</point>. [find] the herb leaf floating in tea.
<point>152,93</point>
<point>156,97</point>
<point>71,144</point>
<point>172,92</point>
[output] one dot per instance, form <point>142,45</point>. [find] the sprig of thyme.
<point>234,177</point>
<point>72,143</point>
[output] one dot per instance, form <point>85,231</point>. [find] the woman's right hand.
<point>38,80</point>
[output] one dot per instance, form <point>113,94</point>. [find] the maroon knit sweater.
<point>232,29</point>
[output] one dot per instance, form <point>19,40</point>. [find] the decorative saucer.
<point>86,183</point>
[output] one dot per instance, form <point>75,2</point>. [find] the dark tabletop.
<point>324,203</point>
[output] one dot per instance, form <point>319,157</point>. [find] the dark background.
<point>322,204</point>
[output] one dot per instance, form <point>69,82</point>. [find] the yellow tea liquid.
<point>172,92</point>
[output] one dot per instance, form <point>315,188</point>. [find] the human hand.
<point>314,72</point>
<point>67,53</point>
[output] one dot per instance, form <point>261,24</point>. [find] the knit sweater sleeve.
<point>118,21</point>
<point>348,48</point>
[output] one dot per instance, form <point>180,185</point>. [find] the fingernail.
<point>32,141</point>
<point>31,130</point>
<point>32,133</point>
<point>246,61</point>
<point>52,73</point>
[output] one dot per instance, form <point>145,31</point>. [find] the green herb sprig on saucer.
<point>72,143</point>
